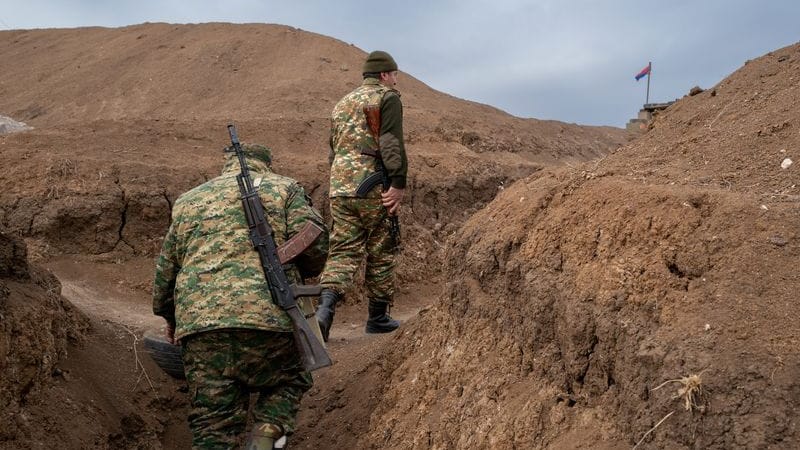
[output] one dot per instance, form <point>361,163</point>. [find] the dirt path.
<point>106,305</point>
<point>115,293</point>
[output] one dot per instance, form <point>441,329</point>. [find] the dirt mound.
<point>732,136</point>
<point>645,297</point>
<point>74,379</point>
<point>35,327</point>
<point>220,72</point>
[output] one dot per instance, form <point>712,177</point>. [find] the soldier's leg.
<point>379,275</point>
<point>345,252</point>
<point>218,414</point>
<point>279,378</point>
<point>346,248</point>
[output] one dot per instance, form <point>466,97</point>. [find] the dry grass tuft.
<point>64,168</point>
<point>691,390</point>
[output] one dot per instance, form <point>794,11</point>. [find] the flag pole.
<point>649,71</point>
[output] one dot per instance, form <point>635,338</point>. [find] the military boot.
<point>266,436</point>
<point>327,308</point>
<point>379,319</point>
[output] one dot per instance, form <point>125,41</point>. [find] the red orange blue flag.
<point>643,72</point>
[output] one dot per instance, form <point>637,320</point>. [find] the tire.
<point>166,355</point>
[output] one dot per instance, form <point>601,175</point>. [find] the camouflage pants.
<point>360,225</point>
<point>223,367</point>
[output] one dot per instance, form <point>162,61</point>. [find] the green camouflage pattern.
<point>359,226</point>
<point>349,135</point>
<point>208,276</point>
<point>223,367</point>
<point>251,152</point>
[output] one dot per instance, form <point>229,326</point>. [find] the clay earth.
<point>561,286</point>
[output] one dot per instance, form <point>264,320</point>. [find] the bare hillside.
<point>126,119</point>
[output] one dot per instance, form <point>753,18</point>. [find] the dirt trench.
<point>569,318</point>
<point>90,187</point>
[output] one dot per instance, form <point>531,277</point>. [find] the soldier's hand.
<point>392,198</point>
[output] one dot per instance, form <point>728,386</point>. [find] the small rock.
<point>695,90</point>
<point>9,125</point>
<point>707,327</point>
<point>778,240</point>
<point>786,163</point>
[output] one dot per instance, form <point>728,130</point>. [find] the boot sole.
<point>379,331</point>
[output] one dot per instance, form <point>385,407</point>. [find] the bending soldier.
<point>210,288</point>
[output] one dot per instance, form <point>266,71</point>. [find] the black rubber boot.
<point>327,308</point>
<point>379,319</point>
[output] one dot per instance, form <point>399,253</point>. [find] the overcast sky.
<point>568,60</point>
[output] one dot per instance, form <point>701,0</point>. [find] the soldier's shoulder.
<point>391,95</point>
<point>350,98</point>
<point>274,181</point>
<point>208,189</point>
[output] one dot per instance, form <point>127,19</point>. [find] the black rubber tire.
<point>166,355</point>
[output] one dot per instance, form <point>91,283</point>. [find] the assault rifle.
<point>373,114</point>
<point>312,353</point>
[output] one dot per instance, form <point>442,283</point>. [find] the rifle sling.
<point>374,152</point>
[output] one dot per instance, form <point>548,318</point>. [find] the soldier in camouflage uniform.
<point>210,287</point>
<point>362,224</point>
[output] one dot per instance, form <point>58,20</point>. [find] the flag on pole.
<point>643,72</point>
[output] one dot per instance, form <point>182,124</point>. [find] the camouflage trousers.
<point>224,367</point>
<point>360,225</point>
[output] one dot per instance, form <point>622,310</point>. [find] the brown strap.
<point>375,153</point>
<point>372,113</point>
<point>373,116</point>
<point>299,242</point>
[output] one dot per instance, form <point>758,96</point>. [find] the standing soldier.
<point>362,219</point>
<point>210,287</point>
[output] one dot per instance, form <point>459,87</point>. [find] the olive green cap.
<point>252,151</point>
<point>379,61</point>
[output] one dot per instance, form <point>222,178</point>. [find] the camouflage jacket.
<point>350,134</point>
<point>208,276</point>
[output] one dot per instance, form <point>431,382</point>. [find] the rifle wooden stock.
<point>290,249</point>
<point>312,353</point>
